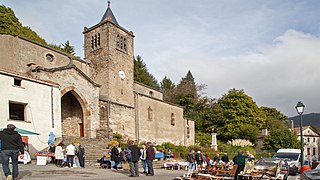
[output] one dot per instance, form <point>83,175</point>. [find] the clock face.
<point>122,75</point>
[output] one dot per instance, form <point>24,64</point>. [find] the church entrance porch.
<point>72,115</point>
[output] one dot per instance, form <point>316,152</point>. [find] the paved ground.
<point>50,171</point>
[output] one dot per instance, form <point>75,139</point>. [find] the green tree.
<point>142,75</point>
<point>68,48</point>
<point>280,136</point>
<point>272,115</point>
<point>167,87</point>
<point>240,113</point>
<point>186,88</point>
<point>10,24</point>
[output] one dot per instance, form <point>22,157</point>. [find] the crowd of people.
<point>73,155</point>
<point>199,161</point>
<point>116,157</point>
<point>69,156</point>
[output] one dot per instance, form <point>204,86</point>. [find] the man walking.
<point>150,158</point>
<point>239,160</point>
<point>133,154</point>
<point>11,145</point>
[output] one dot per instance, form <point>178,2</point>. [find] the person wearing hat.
<point>11,146</point>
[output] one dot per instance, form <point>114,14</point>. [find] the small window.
<point>95,41</point>
<point>173,121</point>
<point>308,151</point>
<point>188,132</point>
<point>150,114</point>
<point>308,139</point>
<point>16,111</point>
<point>121,91</point>
<point>314,151</point>
<point>121,43</point>
<point>49,57</point>
<point>314,139</point>
<point>17,82</point>
<point>150,93</point>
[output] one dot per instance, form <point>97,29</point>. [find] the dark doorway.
<point>71,115</point>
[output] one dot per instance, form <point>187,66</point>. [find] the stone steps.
<point>94,148</point>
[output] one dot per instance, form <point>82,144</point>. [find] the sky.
<point>270,49</point>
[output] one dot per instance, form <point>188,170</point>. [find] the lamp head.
<point>300,107</point>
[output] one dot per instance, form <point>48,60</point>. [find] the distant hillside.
<point>312,119</point>
<point>10,24</point>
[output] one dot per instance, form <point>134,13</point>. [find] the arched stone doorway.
<point>73,114</point>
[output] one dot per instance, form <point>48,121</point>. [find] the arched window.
<point>150,114</point>
<point>150,93</point>
<point>173,121</point>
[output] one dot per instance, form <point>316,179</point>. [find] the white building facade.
<point>311,143</point>
<point>30,104</point>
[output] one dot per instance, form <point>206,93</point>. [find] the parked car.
<point>293,158</point>
<point>311,174</point>
<point>272,167</point>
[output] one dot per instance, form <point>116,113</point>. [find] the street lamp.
<point>300,108</point>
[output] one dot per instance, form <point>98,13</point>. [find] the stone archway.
<point>75,114</point>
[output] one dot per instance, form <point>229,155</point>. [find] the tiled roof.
<point>27,77</point>
<point>297,129</point>
<point>109,14</point>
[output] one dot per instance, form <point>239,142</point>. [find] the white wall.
<point>39,97</point>
<point>313,142</point>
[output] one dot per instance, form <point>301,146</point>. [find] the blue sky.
<point>271,49</point>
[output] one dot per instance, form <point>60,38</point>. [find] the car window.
<point>291,156</point>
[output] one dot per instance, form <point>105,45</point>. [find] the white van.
<point>293,158</point>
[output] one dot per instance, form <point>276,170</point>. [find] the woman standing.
<point>58,154</point>
<point>115,156</point>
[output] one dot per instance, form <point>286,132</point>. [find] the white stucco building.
<point>311,141</point>
<point>31,104</point>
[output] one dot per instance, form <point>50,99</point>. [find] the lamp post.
<point>300,108</point>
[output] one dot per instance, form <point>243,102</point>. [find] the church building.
<point>44,90</point>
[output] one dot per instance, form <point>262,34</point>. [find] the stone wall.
<point>147,91</point>
<point>107,60</point>
<point>122,120</point>
<point>160,122</point>
<point>86,93</point>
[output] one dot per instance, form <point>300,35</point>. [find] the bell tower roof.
<point>108,15</point>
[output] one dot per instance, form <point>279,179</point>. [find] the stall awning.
<point>23,132</point>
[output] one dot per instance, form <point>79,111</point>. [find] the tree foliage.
<point>272,115</point>
<point>142,75</point>
<point>240,115</point>
<point>186,89</point>
<point>10,24</point>
<point>68,48</point>
<point>167,87</point>
<point>280,136</point>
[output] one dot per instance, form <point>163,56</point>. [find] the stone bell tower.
<point>109,49</point>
